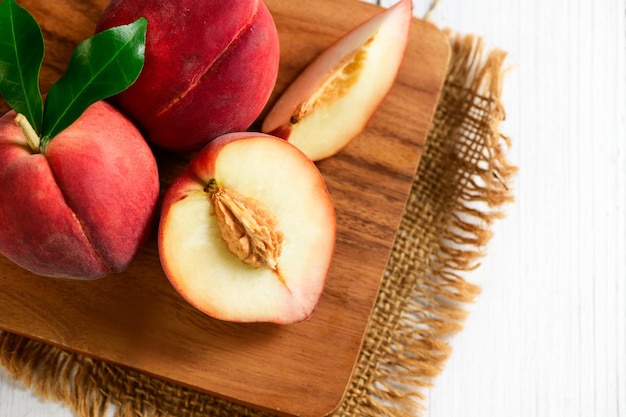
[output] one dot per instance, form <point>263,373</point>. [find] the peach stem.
<point>29,133</point>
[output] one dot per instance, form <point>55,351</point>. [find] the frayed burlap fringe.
<point>457,194</point>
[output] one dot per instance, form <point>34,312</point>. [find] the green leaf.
<point>101,66</point>
<point>21,56</point>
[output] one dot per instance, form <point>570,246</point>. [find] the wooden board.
<point>136,319</point>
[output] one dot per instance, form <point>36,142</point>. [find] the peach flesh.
<point>198,261</point>
<point>335,96</point>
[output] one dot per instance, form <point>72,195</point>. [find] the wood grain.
<point>136,319</point>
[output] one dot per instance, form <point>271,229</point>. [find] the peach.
<point>210,67</point>
<point>335,96</point>
<point>247,231</point>
<point>83,206</point>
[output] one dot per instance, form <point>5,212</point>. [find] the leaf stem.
<point>29,133</point>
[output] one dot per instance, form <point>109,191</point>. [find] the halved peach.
<point>247,231</point>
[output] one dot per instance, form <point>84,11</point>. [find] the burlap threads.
<point>459,191</point>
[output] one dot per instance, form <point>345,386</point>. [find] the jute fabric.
<point>461,188</point>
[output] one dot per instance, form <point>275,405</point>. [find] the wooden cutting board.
<point>136,319</point>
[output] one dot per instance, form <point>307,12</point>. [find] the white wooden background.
<point>547,336</point>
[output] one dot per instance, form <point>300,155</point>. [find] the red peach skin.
<point>83,208</point>
<point>210,68</point>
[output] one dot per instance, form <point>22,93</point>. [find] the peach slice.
<point>247,230</point>
<point>332,100</point>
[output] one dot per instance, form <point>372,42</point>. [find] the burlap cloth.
<point>458,192</point>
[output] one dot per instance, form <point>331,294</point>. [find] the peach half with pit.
<point>210,67</point>
<point>335,96</point>
<point>247,230</point>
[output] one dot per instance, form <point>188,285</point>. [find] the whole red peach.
<point>210,67</point>
<point>83,206</point>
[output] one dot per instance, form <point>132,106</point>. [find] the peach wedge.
<point>335,96</point>
<point>247,231</point>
